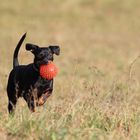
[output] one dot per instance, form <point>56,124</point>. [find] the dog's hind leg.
<point>12,92</point>
<point>12,96</point>
<point>12,105</point>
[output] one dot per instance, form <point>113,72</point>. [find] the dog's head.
<point>42,55</point>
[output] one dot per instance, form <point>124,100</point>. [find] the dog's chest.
<point>42,85</point>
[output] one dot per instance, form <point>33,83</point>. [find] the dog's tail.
<point>15,57</point>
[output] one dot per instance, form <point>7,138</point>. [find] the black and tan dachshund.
<point>25,80</point>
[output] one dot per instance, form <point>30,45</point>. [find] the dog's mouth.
<point>46,62</point>
<point>40,63</point>
<point>50,61</point>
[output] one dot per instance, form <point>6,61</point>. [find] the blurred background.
<point>102,33</point>
<point>99,40</point>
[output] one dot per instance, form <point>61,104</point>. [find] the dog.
<point>25,80</point>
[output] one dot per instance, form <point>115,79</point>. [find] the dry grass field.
<point>97,91</point>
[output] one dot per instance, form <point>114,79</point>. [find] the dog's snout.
<point>45,61</point>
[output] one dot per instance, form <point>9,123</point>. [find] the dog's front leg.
<point>31,105</point>
<point>45,95</point>
<point>44,98</point>
<point>30,101</point>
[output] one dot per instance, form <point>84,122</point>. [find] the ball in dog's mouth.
<point>48,71</point>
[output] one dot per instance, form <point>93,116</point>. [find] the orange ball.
<point>48,71</point>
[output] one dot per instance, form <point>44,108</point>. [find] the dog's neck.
<point>40,77</point>
<point>35,68</point>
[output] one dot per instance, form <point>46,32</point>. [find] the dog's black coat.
<point>25,80</point>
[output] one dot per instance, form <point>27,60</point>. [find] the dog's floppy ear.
<point>55,49</point>
<point>31,47</point>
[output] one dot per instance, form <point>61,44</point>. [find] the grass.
<point>96,93</point>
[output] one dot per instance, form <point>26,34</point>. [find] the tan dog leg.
<point>43,98</point>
